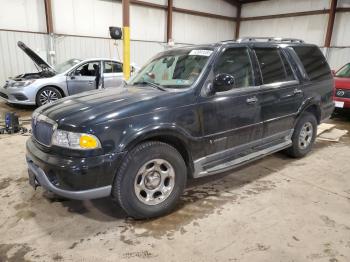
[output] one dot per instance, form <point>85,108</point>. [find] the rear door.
<point>112,74</point>
<point>84,78</point>
<point>280,95</point>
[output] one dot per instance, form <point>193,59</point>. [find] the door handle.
<point>91,82</point>
<point>252,100</point>
<point>297,91</point>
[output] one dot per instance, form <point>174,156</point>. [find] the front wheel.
<point>151,180</point>
<point>304,136</point>
<point>47,95</point>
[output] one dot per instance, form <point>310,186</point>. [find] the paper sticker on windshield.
<point>201,52</point>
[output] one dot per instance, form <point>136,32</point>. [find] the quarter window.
<point>236,62</point>
<point>314,62</point>
<point>112,67</point>
<point>273,65</point>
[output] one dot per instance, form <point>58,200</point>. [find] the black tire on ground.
<point>128,178</point>
<point>50,93</point>
<point>300,149</point>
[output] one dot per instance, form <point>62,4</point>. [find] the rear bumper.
<point>72,177</point>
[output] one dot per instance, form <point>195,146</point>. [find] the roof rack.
<point>270,39</point>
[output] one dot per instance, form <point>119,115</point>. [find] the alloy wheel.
<point>48,96</point>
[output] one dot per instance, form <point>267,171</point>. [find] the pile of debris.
<point>328,132</point>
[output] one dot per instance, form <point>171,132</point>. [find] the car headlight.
<point>74,140</point>
<point>22,83</point>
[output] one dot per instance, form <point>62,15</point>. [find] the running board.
<point>243,160</point>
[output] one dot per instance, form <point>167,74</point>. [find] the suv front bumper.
<point>72,177</point>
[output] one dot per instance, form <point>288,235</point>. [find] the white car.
<point>71,77</point>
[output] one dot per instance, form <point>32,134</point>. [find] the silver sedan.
<point>51,83</point>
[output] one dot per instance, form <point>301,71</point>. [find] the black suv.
<point>190,112</point>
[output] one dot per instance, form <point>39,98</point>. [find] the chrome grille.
<point>42,131</point>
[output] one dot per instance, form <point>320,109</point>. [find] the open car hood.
<point>35,57</point>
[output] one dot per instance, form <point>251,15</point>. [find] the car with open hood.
<point>188,113</point>
<point>68,78</point>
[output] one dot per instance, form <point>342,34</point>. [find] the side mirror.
<point>223,82</point>
<point>333,72</point>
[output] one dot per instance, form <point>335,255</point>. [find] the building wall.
<point>81,29</point>
<point>14,61</point>
<point>25,15</point>
<point>311,28</point>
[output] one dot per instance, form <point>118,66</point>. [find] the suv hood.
<point>342,82</point>
<point>98,106</point>
<point>35,57</point>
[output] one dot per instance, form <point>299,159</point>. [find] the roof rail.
<point>269,39</point>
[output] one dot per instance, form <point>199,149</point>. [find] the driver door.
<point>231,120</point>
<point>84,78</point>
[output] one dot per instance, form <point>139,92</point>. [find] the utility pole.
<point>126,38</point>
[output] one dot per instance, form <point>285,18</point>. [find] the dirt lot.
<point>275,209</point>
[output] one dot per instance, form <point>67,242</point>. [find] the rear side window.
<point>274,66</point>
<point>314,62</point>
<point>236,62</point>
<point>112,67</point>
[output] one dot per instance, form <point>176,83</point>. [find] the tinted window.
<point>273,65</point>
<point>112,67</point>
<point>236,62</point>
<point>314,62</point>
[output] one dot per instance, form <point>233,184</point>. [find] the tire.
<point>302,141</point>
<point>51,94</point>
<point>147,169</point>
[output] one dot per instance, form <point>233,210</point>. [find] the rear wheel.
<point>47,95</point>
<point>151,180</point>
<point>304,136</point>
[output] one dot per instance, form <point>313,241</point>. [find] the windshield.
<point>60,68</point>
<point>344,71</point>
<point>176,69</point>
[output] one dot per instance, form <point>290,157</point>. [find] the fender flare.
<point>167,133</point>
<point>311,102</point>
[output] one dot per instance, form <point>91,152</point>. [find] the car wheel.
<point>304,136</point>
<point>150,180</point>
<point>47,95</point>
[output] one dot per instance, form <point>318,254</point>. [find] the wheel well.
<point>58,88</point>
<point>315,110</point>
<point>178,144</point>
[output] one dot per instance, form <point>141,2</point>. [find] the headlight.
<point>75,140</point>
<point>22,83</point>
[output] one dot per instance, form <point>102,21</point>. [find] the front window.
<point>176,69</point>
<point>60,68</point>
<point>344,71</point>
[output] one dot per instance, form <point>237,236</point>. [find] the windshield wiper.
<point>154,85</point>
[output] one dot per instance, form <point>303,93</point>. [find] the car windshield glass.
<point>175,69</point>
<point>344,71</point>
<point>60,68</point>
